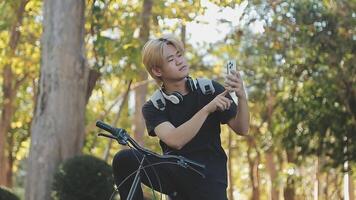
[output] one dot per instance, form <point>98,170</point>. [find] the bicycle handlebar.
<point>123,138</point>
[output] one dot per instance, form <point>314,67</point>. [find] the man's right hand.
<point>220,103</point>
<point>177,137</point>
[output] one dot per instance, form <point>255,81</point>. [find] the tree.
<point>141,91</point>
<point>10,88</point>
<point>58,125</point>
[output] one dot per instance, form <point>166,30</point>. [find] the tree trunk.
<point>93,77</point>
<point>9,90</point>
<point>270,163</point>
<point>289,190</point>
<point>316,180</point>
<point>271,168</point>
<point>348,183</point>
<point>321,180</point>
<point>141,92</point>
<point>253,162</point>
<point>116,120</point>
<point>339,189</point>
<point>183,33</point>
<point>327,186</point>
<point>351,188</point>
<point>58,125</point>
<point>5,121</point>
<point>10,159</point>
<point>138,121</point>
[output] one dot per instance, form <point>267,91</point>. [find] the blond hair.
<point>152,52</point>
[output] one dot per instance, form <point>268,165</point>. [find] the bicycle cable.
<point>154,171</point>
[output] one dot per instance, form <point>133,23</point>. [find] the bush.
<point>6,194</point>
<point>83,178</point>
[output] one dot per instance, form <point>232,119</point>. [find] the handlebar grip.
<point>105,126</point>
<point>123,138</point>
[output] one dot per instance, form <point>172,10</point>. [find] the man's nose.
<point>179,60</point>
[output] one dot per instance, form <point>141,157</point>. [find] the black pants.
<point>177,182</point>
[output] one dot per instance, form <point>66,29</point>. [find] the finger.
<point>225,99</point>
<point>222,102</point>
<point>236,73</point>
<point>238,81</point>
<point>233,71</point>
<point>229,88</point>
<point>233,78</point>
<point>223,93</point>
<point>232,83</point>
<point>225,102</point>
<point>229,102</point>
<point>219,106</point>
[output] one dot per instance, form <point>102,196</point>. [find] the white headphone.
<point>176,97</point>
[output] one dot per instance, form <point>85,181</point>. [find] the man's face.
<point>175,65</point>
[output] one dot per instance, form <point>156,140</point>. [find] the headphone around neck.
<point>176,97</point>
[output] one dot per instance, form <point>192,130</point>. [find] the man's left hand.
<point>234,83</point>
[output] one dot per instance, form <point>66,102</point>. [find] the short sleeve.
<point>226,115</point>
<point>153,117</point>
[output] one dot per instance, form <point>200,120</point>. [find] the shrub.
<point>83,178</point>
<point>6,194</point>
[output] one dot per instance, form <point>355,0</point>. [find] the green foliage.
<point>299,74</point>
<point>83,177</point>
<point>6,194</point>
<point>301,70</point>
<point>318,107</point>
<point>23,61</point>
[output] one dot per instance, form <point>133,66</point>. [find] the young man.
<point>187,123</point>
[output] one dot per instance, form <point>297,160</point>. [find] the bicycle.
<point>123,138</point>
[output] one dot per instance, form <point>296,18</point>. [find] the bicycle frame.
<point>122,137</point>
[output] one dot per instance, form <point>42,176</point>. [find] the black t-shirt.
<point>205,147</point>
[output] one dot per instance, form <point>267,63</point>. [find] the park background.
<point>65,64</point>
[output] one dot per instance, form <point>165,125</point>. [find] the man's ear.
<point>157,71</point>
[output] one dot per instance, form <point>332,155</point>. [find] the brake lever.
<point>196,171</point>
<point>184,163</point>
<point>190,162</point>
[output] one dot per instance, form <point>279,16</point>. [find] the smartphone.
<point>230,66</point>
